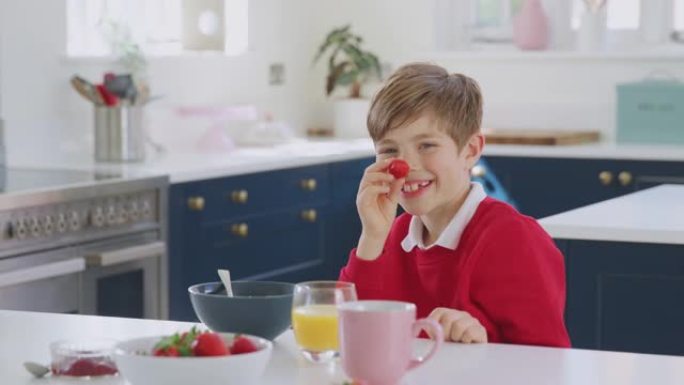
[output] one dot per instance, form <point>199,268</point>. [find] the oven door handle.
<point>45,271</point>
<point>133,253</point>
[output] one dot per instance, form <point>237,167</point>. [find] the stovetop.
<point>14,180</point>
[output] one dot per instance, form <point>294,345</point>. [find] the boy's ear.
<point>474,149</point>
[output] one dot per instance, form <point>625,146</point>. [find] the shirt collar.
<point>452,233</point>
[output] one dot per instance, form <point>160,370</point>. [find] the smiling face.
<point>439,176</point>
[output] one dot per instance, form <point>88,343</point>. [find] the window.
<point>101,27</point>
<point>492,19</point>
<point>621,15</point>
<point>679,15</point>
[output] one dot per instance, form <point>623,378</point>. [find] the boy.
<point>472,263</point>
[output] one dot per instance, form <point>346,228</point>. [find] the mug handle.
<point>426,323</point>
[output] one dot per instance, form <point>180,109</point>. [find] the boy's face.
<point>440,175</point>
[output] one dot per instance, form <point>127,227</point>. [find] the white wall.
<point>44,116</point>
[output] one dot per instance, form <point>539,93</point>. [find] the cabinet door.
<point>260,192</point>
<point>625,296</point>
<point>547,186</point>
<point>342,226</point>
<point>639,175</point>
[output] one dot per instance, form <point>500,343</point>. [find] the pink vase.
<point>530,27</point>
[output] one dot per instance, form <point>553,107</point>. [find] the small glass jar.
<point>83,358</point>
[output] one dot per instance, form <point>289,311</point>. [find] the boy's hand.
<point>459,326</point>
<point>376,202</point>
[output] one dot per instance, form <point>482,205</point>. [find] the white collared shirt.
<point>452,233</point>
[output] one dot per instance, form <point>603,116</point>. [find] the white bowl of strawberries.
<point>193,357</point>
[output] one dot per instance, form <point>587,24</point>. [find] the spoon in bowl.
<point>224,274</point>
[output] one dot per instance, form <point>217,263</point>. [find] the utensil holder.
<point>119,134</point>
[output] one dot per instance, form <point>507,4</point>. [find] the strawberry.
<point>169,351</point>
<point>398,168</point>
<point>242,345</point>
<point>210,344</point>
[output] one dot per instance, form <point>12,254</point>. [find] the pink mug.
<point>376,340</point>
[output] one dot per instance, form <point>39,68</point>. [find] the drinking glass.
<point>314,317</point>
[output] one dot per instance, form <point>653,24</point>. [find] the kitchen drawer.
<point>270,244</point>
<point>232,197</point>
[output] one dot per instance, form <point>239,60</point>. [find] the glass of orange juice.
<point>314,317</point>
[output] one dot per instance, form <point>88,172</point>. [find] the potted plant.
<point>348,66</point>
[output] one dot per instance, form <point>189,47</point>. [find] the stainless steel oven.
<point>92,249</point>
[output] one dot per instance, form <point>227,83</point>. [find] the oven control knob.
<point>97,217</point>
<point>111,216</point>
<point>134,210</point>
<point>146,208</point>
<point>61,223</point>
<point>35,228</point>
<point>123,214</point>
<point>48,226</point>
<point>74,221</point>
<point>20,230</point>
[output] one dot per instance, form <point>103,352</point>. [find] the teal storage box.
<point>651,111</point>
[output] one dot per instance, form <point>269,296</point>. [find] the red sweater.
<point>506,272</point>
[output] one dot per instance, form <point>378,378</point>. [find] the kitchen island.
<point>26,336</point>
<point>624,260</point>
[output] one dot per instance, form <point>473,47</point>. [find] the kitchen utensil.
<point>86,89</point>
<point>38,370</point>
<point>110,100</point>
<point>225,279</point>
<point>121,86</point>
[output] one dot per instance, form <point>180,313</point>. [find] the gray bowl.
<point>259,308</point>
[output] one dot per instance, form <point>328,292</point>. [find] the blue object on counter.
<point>651,111</point>
<point>484,175</point>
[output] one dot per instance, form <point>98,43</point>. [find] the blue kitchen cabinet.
<point>545,186</point>
<point>625,296</point>
<point>266,226</point>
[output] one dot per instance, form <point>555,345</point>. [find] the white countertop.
<point>25,337</point>
<point>655,215</point>
<point>186,167</point>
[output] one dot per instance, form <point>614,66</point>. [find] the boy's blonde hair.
<point>414,89</point>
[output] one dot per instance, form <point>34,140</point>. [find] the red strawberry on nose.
<point>398,168</point>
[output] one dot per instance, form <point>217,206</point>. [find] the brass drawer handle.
<point>239,196</point>
<point>606,177</point>
<point>625,178</point>
<point>309,184</point>
<point>196,203</point>
<point>240,230</point>
<point>478,171</point>
<point>309,215</point>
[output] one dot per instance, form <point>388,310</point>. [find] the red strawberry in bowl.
<point>210,344</point>
<point>242,345</point>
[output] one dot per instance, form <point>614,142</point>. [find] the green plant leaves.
<point>348,63</point>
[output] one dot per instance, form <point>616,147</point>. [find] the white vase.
<point>591,34</point>
<point>350,118</point>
